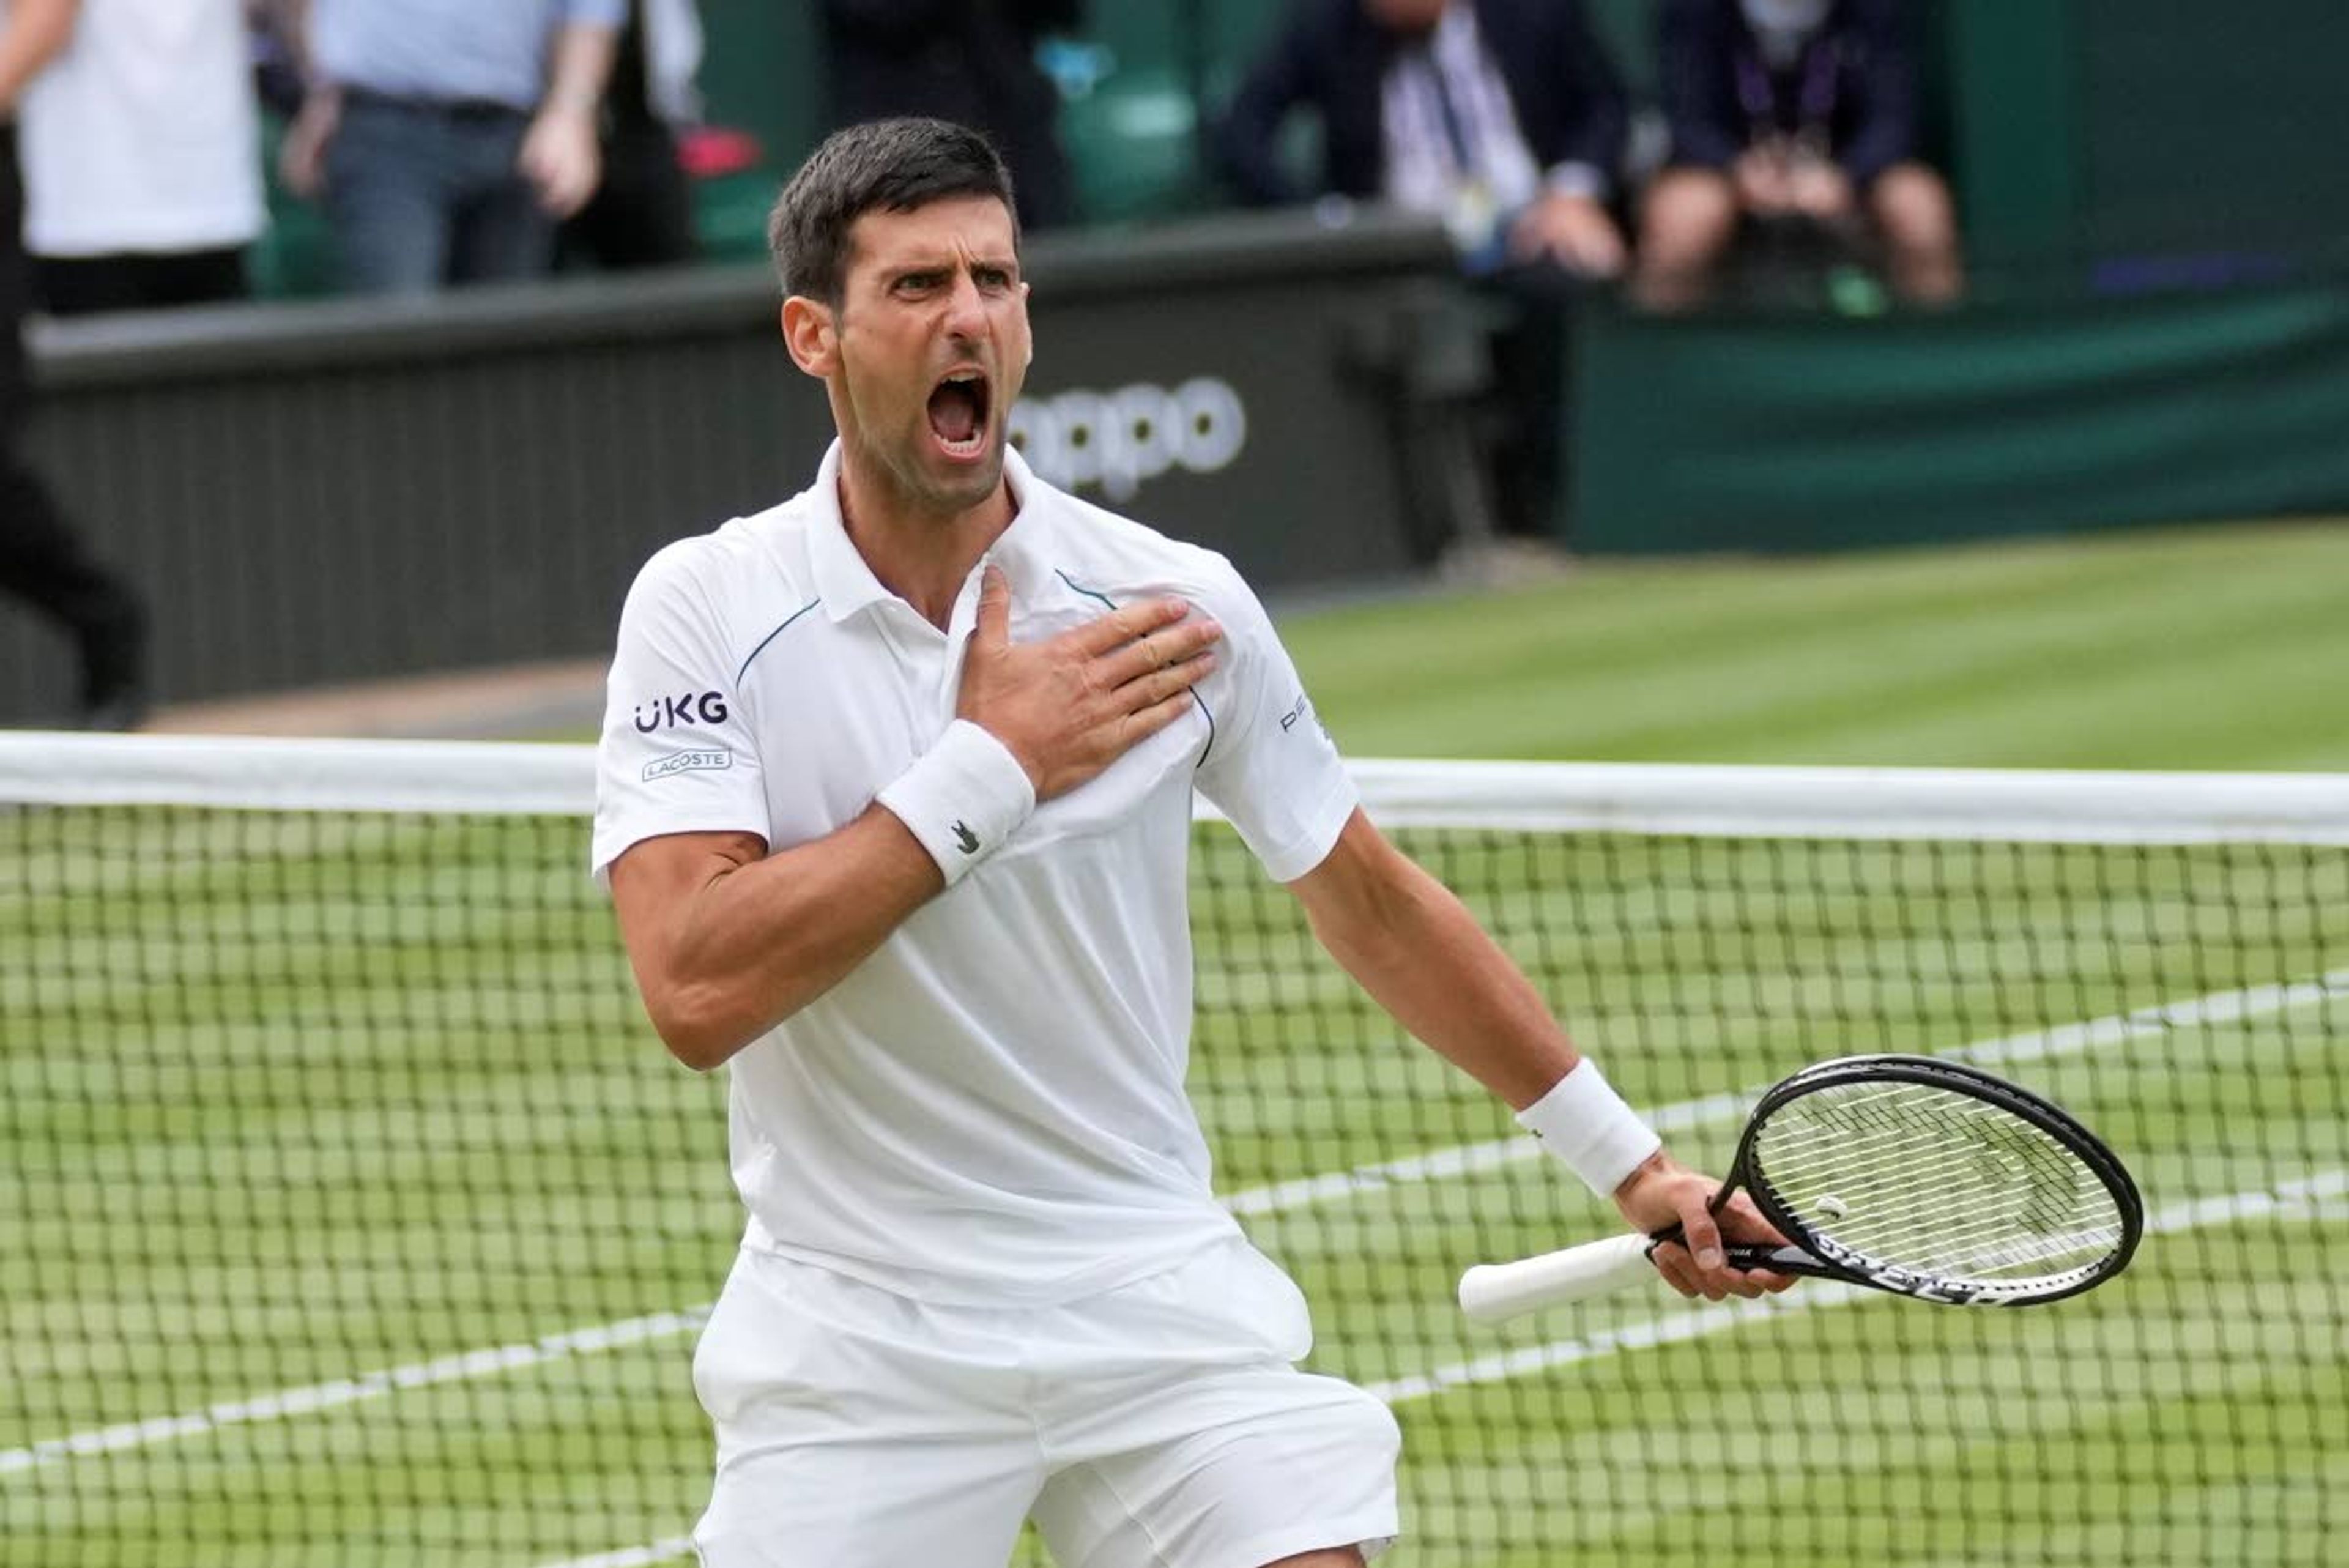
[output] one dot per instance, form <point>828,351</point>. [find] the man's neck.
<point>922,554</point>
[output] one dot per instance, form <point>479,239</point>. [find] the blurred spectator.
<point>141,154</point>
<point>642,212</point>
<point>42,560</point>
<point>1503,117</point>
<point>447,137</point>
<point>1799,112</point>
<point>969,61</point>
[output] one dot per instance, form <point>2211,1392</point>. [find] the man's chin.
<point>965,483</point>
<point>927,478</point>
<point>946,485</point>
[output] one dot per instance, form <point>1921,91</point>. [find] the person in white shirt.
<point>894,802</point>
<point>141,149</point>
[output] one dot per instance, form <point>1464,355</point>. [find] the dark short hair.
<point>893,165</point>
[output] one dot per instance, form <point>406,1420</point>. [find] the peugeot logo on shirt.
<point>692,708</point>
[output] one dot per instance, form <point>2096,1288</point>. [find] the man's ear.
<point>811,335</point>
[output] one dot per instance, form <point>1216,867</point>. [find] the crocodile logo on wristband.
<point>965,839</point>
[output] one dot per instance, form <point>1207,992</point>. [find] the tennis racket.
<point>1906,1174</point>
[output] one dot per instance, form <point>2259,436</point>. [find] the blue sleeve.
<point>1599,131</point>
<point>1692,66</point>
<point>1245,138</point>
<point>611,14</point>
<point>1885,132</point>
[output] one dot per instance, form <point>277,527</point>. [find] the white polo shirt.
<point>988,1109</point>
<point>142,136</point>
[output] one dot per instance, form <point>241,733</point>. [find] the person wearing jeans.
<point>447,138</point>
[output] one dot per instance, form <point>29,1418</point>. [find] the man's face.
<point>933,346</point>
<point>1407,16</point>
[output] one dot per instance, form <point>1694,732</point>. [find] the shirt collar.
<point>846,584</point>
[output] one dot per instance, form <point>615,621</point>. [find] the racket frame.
<point>1822,1257</point>
<point>1494,1293</point>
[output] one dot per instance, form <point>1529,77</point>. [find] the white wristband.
<point>1586,1124</point>
<point>965,797</point>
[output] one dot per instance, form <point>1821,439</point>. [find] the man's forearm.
<point>1419,953</point>
<point>33,35</point>
<point>581,69</point>
<point>756,943</point>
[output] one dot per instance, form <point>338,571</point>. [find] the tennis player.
<point>895,801</point>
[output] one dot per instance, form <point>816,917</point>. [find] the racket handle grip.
<point>1495,1293</point>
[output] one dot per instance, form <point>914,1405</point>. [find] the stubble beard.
<point>916,488</point>
<point>913,486</point>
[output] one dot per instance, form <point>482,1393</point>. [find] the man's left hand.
<point>1661,1193</point>
<point>1573,232</point>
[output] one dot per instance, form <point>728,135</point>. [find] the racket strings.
<point>1949,1209</point>
<point>1938,1186</point>
<point>1936,1182</point>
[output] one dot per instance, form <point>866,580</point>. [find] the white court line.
<point>2219,1007</point>
<point>290,1402</point>
<point>2310,1197</point>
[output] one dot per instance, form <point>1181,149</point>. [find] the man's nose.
<point>966,308</point>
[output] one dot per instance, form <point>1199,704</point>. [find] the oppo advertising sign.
<point>1115,442</point>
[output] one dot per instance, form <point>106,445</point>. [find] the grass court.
<point>354,1216</point>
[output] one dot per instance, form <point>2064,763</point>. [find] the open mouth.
<point>958,410</point>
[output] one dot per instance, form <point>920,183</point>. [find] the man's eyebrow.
<point>933,267</point>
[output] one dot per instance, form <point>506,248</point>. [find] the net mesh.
<point>351,1214</point>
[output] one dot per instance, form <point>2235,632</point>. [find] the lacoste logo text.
<point>687,763</point>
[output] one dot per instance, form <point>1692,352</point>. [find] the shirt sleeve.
<point>677,755</point>
<point>594,13</point>
<point>1271,767</point>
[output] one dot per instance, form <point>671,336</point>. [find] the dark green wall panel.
<point>1819,433</point>
<point>2214,127</point>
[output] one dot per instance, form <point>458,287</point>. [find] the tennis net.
<point>350,1214</point>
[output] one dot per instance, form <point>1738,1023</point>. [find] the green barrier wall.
<point>1818,432</point>
<point>2213,126</point>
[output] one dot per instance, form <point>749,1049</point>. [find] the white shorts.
<point>1160,1425</point>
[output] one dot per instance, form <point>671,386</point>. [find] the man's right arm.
<point>728,941</point>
